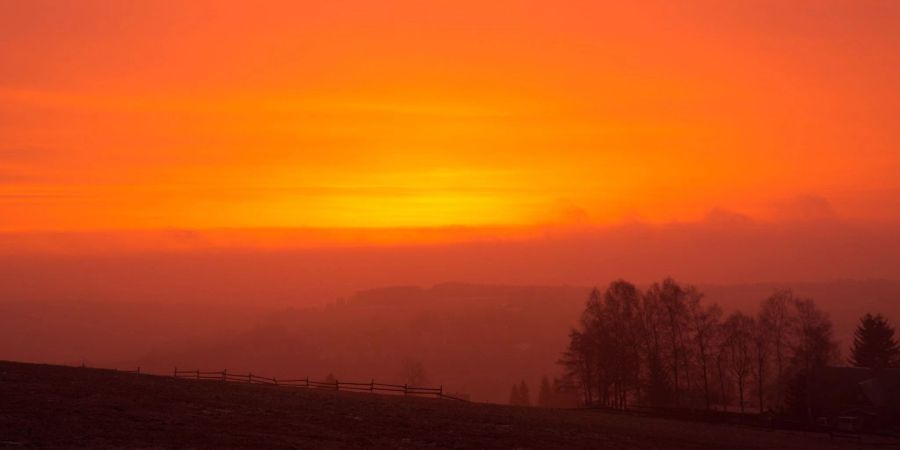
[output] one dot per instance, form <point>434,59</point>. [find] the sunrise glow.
<point>352,114</point>
<point>479,224</point>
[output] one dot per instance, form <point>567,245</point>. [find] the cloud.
<point>15,155</point>
<point>10,177</point>
<point>805,208</point>
<point>19,165</point>
<point>723,217</point>
<point>570,213</point>
<point>869,204</point>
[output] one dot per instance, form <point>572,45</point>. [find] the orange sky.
<point>382,114</point>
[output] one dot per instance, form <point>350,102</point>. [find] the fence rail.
<point>306,383</point>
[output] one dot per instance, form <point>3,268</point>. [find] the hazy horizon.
<point>430,192</point>
<point>293,267</point>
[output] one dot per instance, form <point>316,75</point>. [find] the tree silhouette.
<point>762,344</point>
<point>659,389</point>
<point>414,372</point>
<point>519,395</point>
<point>722,369</point>
<point>814,347</point>
<point>578,361</point>
<point>514,397</point>
<point>672,299</point>
<point>545,395</point>
<point>663,347</point>
<point>774,322</point>
<point>796,395</point>
<point>524,395</point>
<point>704,324</point>
<point>874,345</point>
<point>739,330</point>
<point>814,344</point>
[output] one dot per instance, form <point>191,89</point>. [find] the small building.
<point>870,394</point>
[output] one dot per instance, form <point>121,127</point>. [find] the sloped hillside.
<point>64,407</point>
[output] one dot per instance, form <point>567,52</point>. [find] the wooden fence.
<point>251,378</point>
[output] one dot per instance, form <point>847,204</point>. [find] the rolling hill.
<point>63,407</point>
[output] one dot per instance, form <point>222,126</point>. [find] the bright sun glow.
<point>355,114</point>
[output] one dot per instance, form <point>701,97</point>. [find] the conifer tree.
<point>545,395</point>
<point>874,344</point>
<point>524,396</point>
<point>514,397</point>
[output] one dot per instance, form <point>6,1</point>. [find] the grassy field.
<point>60,407</point>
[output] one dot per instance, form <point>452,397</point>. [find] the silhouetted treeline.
<point>551,394</point>
<point>665,347</point>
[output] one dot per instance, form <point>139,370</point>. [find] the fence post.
<point>372,386</point>
<point>307,382</point>
<point>138,370</point>
<point>441,391</point>
<point>405,389</point>
<point>249,377</point>
<point>224,375</point>
<point>198,374</point>
<point>275,380</point>
<point>337,385</point>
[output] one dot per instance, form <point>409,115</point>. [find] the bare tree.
<point>814,345</point>
<point>738,344</point>
<point>621,303</point>
<point>414,372</point>
<point>669,297</point>
<point>604,354</point>
<point>721,355</point>
<point>657,380</point>
<point>690,365</point>
<point>761,345</point>
<point>775,322</point>
<point>704,322</point>
<point>578,363</point>
<point>666,347</point>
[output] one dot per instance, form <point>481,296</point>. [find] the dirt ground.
<point>45,406</point>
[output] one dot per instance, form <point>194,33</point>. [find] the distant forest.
<point>665,347</point>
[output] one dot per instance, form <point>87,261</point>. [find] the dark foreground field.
<point>53,406</point>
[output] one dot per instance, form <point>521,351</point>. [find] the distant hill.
<point>477,339</point>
